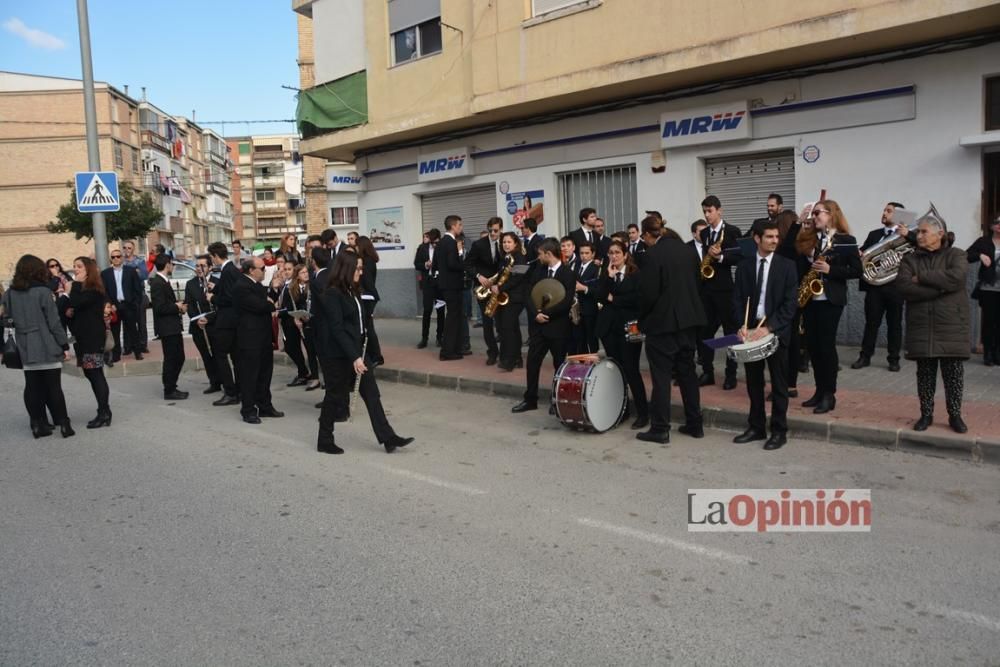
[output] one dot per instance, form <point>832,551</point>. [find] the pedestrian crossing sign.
<point>97,191</point>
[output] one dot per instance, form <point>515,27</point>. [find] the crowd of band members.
<point>238,309</point>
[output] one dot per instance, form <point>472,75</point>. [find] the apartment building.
<point>477,109</point>
<point>269,176</point>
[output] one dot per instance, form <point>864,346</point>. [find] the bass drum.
<point>589,396</point>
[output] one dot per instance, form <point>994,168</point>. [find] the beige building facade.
<point>272,201</point>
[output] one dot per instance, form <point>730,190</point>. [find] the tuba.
<point>707,270</point>
<point>880,263</point>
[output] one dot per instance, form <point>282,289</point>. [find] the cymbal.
<point>546,293</point>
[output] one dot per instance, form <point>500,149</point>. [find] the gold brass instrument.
<point>812,285</point>
<point>483,293</point>
<point>707,270</point>
<point>880,263</point>
<point>547,292</point>
<point>500,298</point>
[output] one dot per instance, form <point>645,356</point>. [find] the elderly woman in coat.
<point>931,280</point>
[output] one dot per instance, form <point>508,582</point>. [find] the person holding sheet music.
<point>828,249</point>
<point>297,297</point>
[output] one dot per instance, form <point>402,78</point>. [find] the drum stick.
<point>761,323</point>
<point>746,314</point>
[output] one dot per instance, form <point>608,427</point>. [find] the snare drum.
<point>589,396</point>
<point>632,333</point>
<point>758,350</point>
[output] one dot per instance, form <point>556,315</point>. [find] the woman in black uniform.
<point>509,317</point>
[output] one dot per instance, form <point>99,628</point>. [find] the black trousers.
<point>821,321</point>
<point>669,355</point>
<point>777,366</point>
<point>883,302</point>
<point>953,377</point>
<point>339,383</point>
<point>142,335</point>
<point>538,347</point>
<point>44,389</point>
<point>126,326</point>
<point>224,352</point>
<point>452,323</point>
<point>99,385</point>
<point>628,356</point>
<point>293,345</point>
<point>719,312</point>
<point>173,360</point>
<point>200,337</point>
<point>430,295</point>
<point>989,306</point>
<point>509,326</point>
<point>256,368</point>
<point>374,350</point>
<point>489,332</point>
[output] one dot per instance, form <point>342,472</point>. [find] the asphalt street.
<point>183,536</point>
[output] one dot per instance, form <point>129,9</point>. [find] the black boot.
<point>40,429</point>
<point>325,443</point>
<point>66,429</point>
<point>103,418</point>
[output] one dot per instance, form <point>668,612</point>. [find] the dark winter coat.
<point>87,323</point>
<point>937,307</point>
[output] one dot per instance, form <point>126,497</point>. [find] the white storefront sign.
<point>704,125</point>
<point>446,164</point>
<point>344,180</point>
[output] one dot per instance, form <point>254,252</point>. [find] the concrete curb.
<point>975,450</point>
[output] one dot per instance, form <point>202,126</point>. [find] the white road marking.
<point>654,538</point>
<point>444,484</point>
<point>966,617</point>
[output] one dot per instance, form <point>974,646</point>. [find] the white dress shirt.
<point>762,288</point>
<point>118,282</point>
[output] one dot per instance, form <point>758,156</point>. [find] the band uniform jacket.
<point>637,248</point>
<point>722,281</point>
<point>874,236</point>
<point>167,317</point>
<point>196,300</point>
<point>558,325</point>
<point>342,336</point>
<point>132,288</point>
<point>669,280</point>
<point>369,275</point>
<point>226,315</point>
<point>588,300</point>
<point>531,247</point>
<point>480,261</point>
<point>844,266</point>
<point>781,299</point>
<point>420,259</point>
<point>601,245</point>
<point>579,238</point>
<point>253,313</point>
<point>516,287</point>
<point>622,308</point>
<point>448,264</point>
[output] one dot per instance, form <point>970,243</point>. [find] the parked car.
<point>183,272</point>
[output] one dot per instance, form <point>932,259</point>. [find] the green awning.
<point>333,106</point>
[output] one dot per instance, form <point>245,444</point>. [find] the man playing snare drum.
<point>765,298</point>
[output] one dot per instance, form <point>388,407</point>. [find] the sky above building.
<point>224,59</point>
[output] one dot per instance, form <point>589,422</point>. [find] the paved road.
<point>182,536</point>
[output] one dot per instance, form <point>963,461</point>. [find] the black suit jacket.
<point>601,245</point>
<point>448,265</point>
<point>640,247</point>
<point>196,301</point>
<point>588,299</point>
<point>558,325</point>
<point>623,307</point>
<point>341,338</point>
<point>253,314</point>
<point>369,275</point>
<point>480,261</point>
<point>579,238</point>
<point>226,315</point>
<point>844,266</point>
<point>780,300</point>
<point>722,281</point>
<point>131,285</point>
<point>982,246</point>
<point>516,287</point>
<point>420,259</point>
<point>167,318</point>
<point>531,247</point>
<point>668,289</point>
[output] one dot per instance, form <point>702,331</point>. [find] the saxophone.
<point>812,285</point>
<point>500,298</point>
<point>707,270</point>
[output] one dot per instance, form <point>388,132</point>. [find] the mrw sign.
<point>97,192</point>
<point>705,125</point>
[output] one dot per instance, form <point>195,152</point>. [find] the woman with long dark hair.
<point>509,317</point>
<point>296,296</point>
<point>369,294</point>
<point>618,292</point>
<point>289,249</point>
<point>41,344</point>
<point>88,306</point>
<point>341,345</point>
<point>986,251</point>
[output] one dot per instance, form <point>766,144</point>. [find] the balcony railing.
<point>174,224</point>
<point>219,188</point>
<point>150,138</point>
<point>268,181</point>
<point>270,205</point>
<point>270,155</point>
<point>219,219</point>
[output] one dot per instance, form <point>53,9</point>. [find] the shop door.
<point>743,183</point>
<point>612,191</point>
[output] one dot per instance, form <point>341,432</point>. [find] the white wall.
<point>338,38</point>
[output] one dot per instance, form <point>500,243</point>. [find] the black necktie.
<point>552,273</point>
<point>888,233</point>
<point>496,251</point>
<point>713,237</point>
<point>618,278</point>
<point>760,278</point>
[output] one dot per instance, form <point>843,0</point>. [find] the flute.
<point>357,383</point>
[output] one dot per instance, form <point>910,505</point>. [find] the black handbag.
<point>11,357</point>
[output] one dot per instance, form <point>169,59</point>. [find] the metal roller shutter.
<point>474,205</point>
<point>612,191</point>
<point>742,183</point>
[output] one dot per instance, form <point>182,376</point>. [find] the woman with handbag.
<point>39,345</point>
<point>986,251</point>
<point>88,306</point>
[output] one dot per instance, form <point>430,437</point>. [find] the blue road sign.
<point>97,191</point>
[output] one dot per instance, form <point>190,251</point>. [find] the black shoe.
<point>519,363</point>
<point>750,435</point>
<point>422,344</point>
<point>251,419</point>
<point>297,382</point>
<point>642,421</point>
<point>138,356</point>
<point>793,392</point>
<point>102,419</point>
<point>524,406</point>
<point>144,350</point>
<point>988,360</point>
<point>467,351</point>
<point>66,429</point>
<point>861,362</point>
<point>894,366</point>
<point>226,400</point>
<point>174,395</point>
<point>439,342</point>
<point>813,402</point>
<point>213,389</point>
<point>706,379</point>
<point>506,369</point>
<point>661,437</point>
<point>319,405</point>
<point>730,383</point>
<point>271,412</point>
<point>40,430</point>
<point>449,357</point>
<point>115,358</point>
<point>956,424</point>
<point>692,431</point>
<point>491,360</point>
<point>396,442</point>
<point>922,423</point>
<point>325,444</point>
<point>826,404</point>
<point>312,386</point>
<point>776,441</point>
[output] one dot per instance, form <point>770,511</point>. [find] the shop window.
<point>344,215</point>
<point>993,103</point>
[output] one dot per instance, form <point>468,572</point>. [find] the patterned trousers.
<point>952,372</point>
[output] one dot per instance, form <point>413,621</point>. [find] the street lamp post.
<point>90,113</point>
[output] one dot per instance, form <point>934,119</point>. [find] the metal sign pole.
<point>90,112</point>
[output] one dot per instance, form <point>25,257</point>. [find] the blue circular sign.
<point>810,153</point>
<point>512,207</point>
